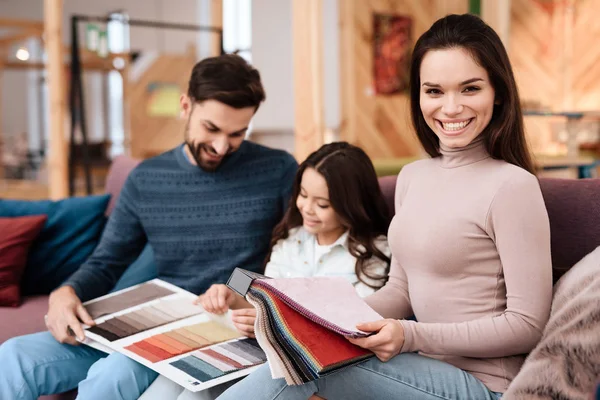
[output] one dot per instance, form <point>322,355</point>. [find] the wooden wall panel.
<point>379,124</point>
<point>554,51</point>
<point>585,69</point>
<point>309,119</point>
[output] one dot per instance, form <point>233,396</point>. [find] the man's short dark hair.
<point>227,78</point>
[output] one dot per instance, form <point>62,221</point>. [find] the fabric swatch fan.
<point>302,323</point>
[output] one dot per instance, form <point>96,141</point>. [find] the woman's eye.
<point>323,206</point>
<point>472,89</point>
<point>433,91</point>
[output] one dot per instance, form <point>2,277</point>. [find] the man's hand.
<point>65,314</point>
<point>244,320</point>
<point>217,299</point>
<point>388,340</point>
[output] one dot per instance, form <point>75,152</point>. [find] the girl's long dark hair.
<point>504,136</point>
<point>355,196</point>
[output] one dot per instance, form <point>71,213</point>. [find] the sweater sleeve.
<point>122,241</point>
<point>392,300</point>
<point>517,222</point>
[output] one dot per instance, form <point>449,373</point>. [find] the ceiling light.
<point>22,54</point>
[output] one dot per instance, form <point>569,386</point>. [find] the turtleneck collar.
<point>459,157</point>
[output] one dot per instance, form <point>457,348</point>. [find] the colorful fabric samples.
<point>182,340</point>
<point>145,318</point>
<point>126,299</point>
<point>302,323</point>
<point>221,359</point>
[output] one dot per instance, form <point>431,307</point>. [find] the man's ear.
<point>185,105</point>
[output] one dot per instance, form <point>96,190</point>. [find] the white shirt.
<point>300,255</point>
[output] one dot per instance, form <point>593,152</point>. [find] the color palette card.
<point>158,325</point>
<point>221,360</point>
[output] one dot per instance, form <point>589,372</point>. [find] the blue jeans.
<point>36,365</point>
<point>408,376</point>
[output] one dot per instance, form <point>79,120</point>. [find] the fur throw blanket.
<point>565,365</point>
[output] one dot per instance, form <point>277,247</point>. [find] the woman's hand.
<point>244,320</point>
<point>217,299</point>
<point>388,340</point>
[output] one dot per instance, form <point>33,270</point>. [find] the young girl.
<point>470,240</point>
<point>336,224</point>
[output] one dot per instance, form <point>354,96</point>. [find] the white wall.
<point>272,54</point>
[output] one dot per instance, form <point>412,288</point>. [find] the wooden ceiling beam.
<point>21,23</point>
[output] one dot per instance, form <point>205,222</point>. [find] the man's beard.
<point>196,150</point>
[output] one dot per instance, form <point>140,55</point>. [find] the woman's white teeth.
<point>455,126</point>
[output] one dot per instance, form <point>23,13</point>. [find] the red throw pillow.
<point>16,236</point>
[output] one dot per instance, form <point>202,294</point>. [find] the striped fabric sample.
<point>219,360</point>
<point>302,323</point>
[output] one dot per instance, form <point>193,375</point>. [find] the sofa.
<point>29,316</point>
<point>573,207</point>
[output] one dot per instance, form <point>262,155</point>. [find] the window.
<point>237,27</point>
<point>118,42</point>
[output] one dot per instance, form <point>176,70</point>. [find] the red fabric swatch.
<point>134,348</point>
<point>327,347</point>
<point>17,235</point>
<point>157,351</point>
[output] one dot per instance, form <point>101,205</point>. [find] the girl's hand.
<point>217,299</point>
<point>388,340</point>
<point>244,320</point>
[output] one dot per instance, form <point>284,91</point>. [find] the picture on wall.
<point>163,99</point>
<point>392,43</point>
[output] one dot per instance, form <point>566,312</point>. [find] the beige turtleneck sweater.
<point>471,259</point>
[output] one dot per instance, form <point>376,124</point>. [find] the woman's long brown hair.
<point>355,196</point>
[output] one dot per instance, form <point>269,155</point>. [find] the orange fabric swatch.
<point>143,353</point>
<point>161,345</point>
<point>182,347</point>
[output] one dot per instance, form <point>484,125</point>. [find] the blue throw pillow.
<point>141,270</point>
<point>69,237</point>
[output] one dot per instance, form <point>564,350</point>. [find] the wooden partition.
<point>379,123</point>
<point>152,134</point>
<point>555,55</point>
<point>57,159</point>
<point>309,120</point>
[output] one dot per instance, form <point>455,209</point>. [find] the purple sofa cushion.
<point>573,209</point>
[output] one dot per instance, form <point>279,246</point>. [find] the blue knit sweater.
<point>201,225</point>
